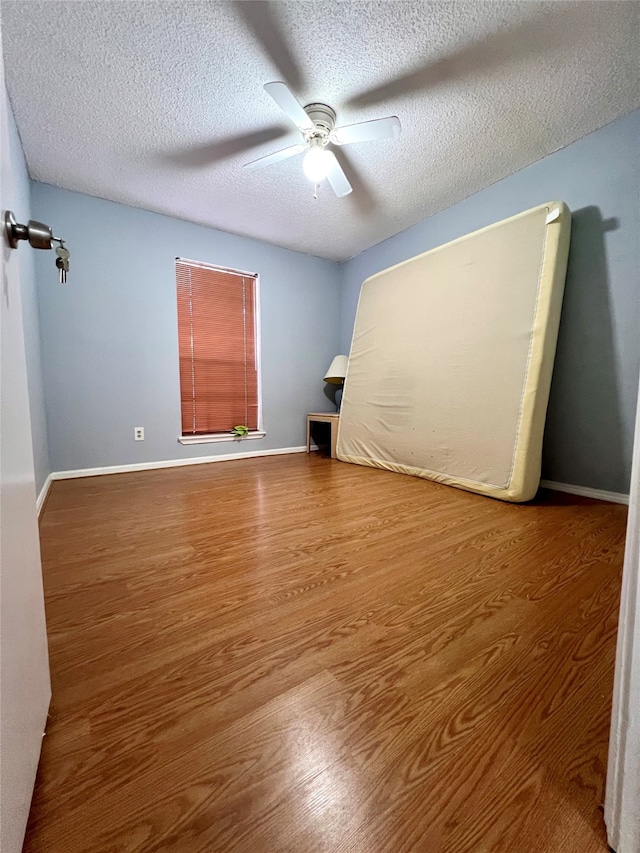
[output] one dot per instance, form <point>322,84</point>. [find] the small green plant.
<point>240,430</point>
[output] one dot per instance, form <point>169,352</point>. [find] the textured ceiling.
<point>147,103</point>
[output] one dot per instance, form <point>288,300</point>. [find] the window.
<point>218,347</point>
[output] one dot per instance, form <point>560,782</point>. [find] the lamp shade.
<point>316,164</point>
<point>337,371</point>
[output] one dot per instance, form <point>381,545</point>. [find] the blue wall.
<point>590,422</point>
<point>109,338</point>
<point>29,308</point>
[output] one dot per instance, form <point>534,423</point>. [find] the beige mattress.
<point>452,356</point>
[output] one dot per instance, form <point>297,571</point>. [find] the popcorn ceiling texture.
<point>134,101</point>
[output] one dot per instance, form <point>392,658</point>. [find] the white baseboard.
<point>171,463</point>
<point>44,491</point>
<point>586,492</point>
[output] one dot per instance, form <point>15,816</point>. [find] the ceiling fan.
<point>316,122</point>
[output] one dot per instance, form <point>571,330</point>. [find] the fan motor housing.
<point>323,116</point>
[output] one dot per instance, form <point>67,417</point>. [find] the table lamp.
<point>335,376</point>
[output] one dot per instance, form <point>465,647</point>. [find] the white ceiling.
<point>144,102</point>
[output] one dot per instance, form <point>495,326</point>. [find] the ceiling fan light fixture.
<point>316,163</point>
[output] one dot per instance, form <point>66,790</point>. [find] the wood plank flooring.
<point>296,655</point>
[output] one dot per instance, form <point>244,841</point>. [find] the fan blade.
<point>367,131</point>
<point>262,19</point>
<point>538,36</point>
<point>362,197</point>
<point>291,151</point>
<point>283,97</point>
<point>337,178</point>
<point>211,153</point>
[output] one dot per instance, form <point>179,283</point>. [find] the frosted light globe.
<point>316,164</point>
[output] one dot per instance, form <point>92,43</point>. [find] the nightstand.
<point>332,418</point>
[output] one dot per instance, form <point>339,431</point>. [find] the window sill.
<point>212,439</point>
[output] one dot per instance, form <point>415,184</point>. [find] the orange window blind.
<point>217,345</point>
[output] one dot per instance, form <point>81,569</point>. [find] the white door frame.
<point>622,803</point>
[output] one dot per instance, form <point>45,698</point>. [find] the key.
<point>60,265</point>
<point>62,262</point>
<point>63,267</point>
<point>62,252</point>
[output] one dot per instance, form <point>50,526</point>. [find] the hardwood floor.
<point>296,655</point>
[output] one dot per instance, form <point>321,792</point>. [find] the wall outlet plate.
<point>138,433</point>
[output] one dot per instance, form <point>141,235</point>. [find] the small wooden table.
<point>332,418</point>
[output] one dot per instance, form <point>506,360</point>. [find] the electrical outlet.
<point>138,433</point>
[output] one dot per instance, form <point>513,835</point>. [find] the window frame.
<point>211,438</point>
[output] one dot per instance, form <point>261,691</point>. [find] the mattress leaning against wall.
<point>452,357</point>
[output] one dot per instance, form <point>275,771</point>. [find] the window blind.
<point>217,348</point>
